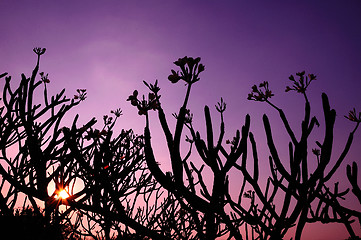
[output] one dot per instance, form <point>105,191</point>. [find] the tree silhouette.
<point>307,198</point>
<point>116,179</point>
<point>298,183</point>
<point>105,176</point>
<point>30,140</point>
<point>117,190</point>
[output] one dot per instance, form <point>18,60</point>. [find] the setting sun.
<point>62,194</point>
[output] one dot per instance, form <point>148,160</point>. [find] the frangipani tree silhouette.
<point>205,204</point>
<point>299,184</point>
<point>117,190</point>
<point>110,189</point>
<point>31,141</point>
<point>306,196</point>
<point>120,187</point>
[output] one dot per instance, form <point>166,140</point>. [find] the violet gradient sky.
<point>109,47</point>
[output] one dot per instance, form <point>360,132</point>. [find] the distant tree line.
<point>117,190</point>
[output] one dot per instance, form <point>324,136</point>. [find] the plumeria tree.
<point>31,140</point>
<point>214,211</point>
<point>99,176</point>
<point>111,185</point>
<point>307,189</point>
<point>124,201</point>
<point>205,204</point>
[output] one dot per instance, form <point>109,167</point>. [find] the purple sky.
<point>109,47</point>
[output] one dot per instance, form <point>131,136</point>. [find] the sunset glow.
<point>103,53</point>
<point>63,194</point>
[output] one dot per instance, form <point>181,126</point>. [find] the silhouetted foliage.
<point>117,189</point>
<point>28,224</point>
<point>31,142</point>
<point>104,175</point>
<point>214,211</point>
<point>299,184</point>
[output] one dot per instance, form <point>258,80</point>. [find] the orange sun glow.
<point>62,194</point>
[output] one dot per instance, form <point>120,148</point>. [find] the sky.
<point>110,47</point>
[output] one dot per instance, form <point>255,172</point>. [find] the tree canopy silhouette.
<point>117,190</point>
<point>307,198</point>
